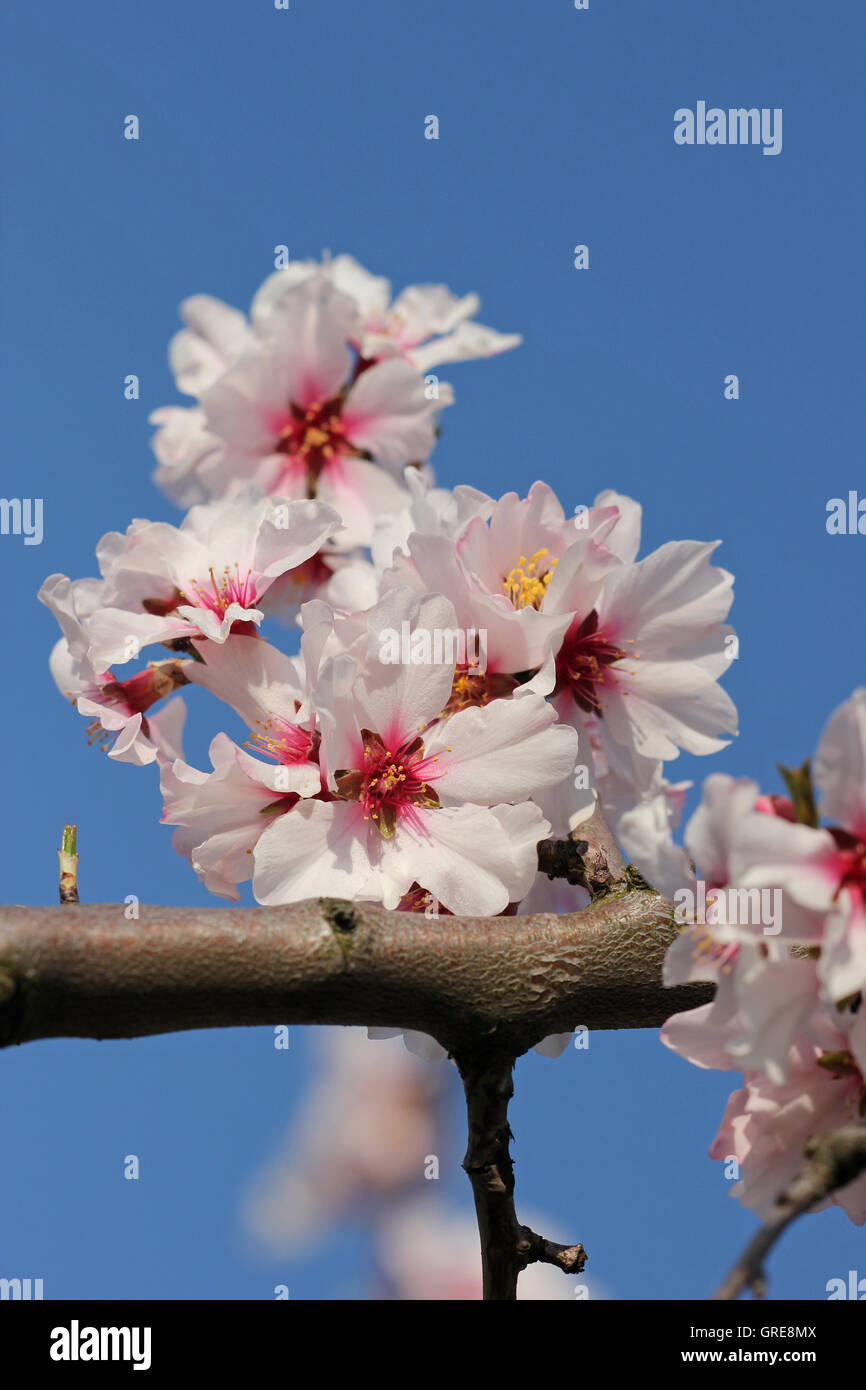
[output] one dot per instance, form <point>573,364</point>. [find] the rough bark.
<point>85,971</point>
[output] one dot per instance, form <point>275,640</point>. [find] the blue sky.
<point>306,128</point>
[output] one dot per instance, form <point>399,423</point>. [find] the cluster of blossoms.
<point>777,921</point>
<point>474,675</point>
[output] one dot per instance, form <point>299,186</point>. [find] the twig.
<point>68,865</point>
<point>832,1161</point>
<point>506,1246</point>
<point>589,857</point>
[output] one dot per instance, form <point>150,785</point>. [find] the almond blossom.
<point>523,604</point>
<point>638,645</point>
<point>788,1003</point>
<point>220,815</point>
<point>297,411</point>
<point>767,1124</point>
<point>763,995</point>
<point>426,324</point>
<point>822,870</point>
<point>416,798</point>
<point>205,578</point>
<point>121,715</point>
<point>371,1116</point>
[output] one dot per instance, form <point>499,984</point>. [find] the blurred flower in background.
<point>366,1146</point>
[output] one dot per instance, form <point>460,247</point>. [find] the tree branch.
<point>487,988</point>
<point>86,971</point>
<point>506,1246</point>
<point>589,857</point>
<point>832,1161</point>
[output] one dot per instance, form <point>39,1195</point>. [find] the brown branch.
<point>487,988</point>
<point>87,971</point>
<point>832,1161</point>
<point>571,1259</point>
<point>489,1088</point>
<point>506,1246</point>
<point>589,857</point>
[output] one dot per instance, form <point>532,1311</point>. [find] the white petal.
<point>397,700</point>
<point>388,414</point>
<point>256,679</point>
<point>306,335</point>
<point>668,599</point>
<point>216,334</point>
<point>710,832</point>
<point>213,625</point>
<point>473,859</point>
<point>316,849</point>
<point>624,540</point>
<point>360,493</point>
<point>770,852</point>
<point>117,635</point>
<point>166,727</point>
<point>840,766</point>
<point>471,340</point>
<point>501,752</point>
<point>659,707</point>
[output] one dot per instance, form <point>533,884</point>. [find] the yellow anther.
<point>524,586</point>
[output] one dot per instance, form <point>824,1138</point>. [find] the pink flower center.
<point>133,696</point>
<point>314,437</point>
<point>417,899</point>
<point>284,742</point>
<point>389,785</point>
<point>218,594</point>
<point>583,663</point>
<point>851,862</point>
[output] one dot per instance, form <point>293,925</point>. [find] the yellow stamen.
<point>524,585</point>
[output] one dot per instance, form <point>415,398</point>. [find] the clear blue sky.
<point>305,127</point>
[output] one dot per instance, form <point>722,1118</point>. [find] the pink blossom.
<point>416,797</point>
<point>767,1124</point>
<point>297,412</point>
<point>122,721</point>
<point>822,870</point>
<point>205,578</point>
<point>220,815</point>
<point>425,324</point>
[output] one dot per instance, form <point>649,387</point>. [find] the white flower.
<point>822,870</point>
<point>296,411</point>
<point>120,711</point>
<point>426,324</point>
<point>420,799</point>
<point>201,579</point>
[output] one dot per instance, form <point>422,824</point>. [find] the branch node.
<point>344,920</point>
<point>68,856</point>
